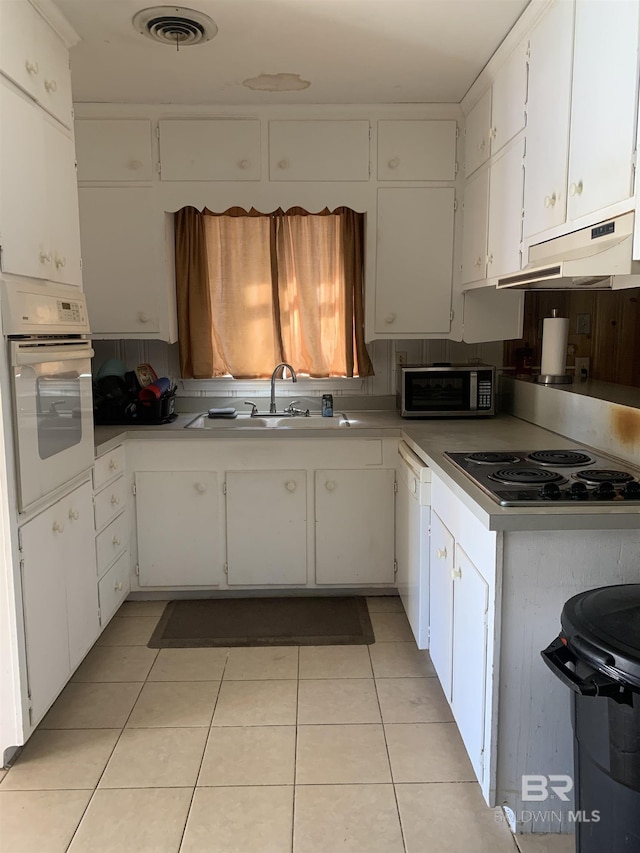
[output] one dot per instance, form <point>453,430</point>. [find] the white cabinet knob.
<point>394,162</point>
<point>200,488</point>
<point>441,553</point>
<point>330,485</point>
<point>57,527</point>
<point>60,261</point>
<point>32,67</point>
<point>482,145</point>
<point>244,164</point>
<point>117,586</point>
<point>143,317</point>
<point>283,164</point>
<point>477,262</point>
<point>291,486</point>
<point>45,257</point>
<point>115,500</point>
<point>51,86</point>
<point>550,200</point>
<point>390,318</point>
<point>74,515</point>
<point>576,189</point>
<point>493,132</point>
<point>113,465</point>
<point>489,259</point>
<point>115,542</point>
<point>456,573</point>
<point>135,165</point>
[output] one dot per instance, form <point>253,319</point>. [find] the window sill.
<point>261,387</point>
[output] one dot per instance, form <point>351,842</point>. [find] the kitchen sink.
<point>271,421</point>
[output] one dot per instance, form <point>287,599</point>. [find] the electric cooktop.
<point>575,477</point>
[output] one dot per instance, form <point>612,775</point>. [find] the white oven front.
<point>53,413</point>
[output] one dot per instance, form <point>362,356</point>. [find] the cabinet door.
<point>123,260</point>
<point>474,228</point>
<point>548,115</point>
<point>210,150</point>
<point>414,261</point>
<point>18,44</point>
<point>178,527</point>
<point>54,79</point>
<point>319,150</point>
<point>266,527</point>
<point>354,526</point>
<point>509,97</point>
<point>505,212</point>
<point>62,194</point>
<point>469,665</point>
<point>44,601</point>
<point>23,202</point>
<point>603,105</point>
<point>80,573</point>
<point>114,149</point>
<point>416,150</point>
<point>489,317</point>
<point>412,557</point>
<point>477,133</point>
<point>441,553</point>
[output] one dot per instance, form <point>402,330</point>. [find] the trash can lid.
<point>602,626</point>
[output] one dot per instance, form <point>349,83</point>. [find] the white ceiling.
<point>352,51</point>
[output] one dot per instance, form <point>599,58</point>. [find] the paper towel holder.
<point>549,378</point>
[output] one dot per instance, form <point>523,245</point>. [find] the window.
<point>255,289</point>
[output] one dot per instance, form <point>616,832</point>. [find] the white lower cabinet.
<point>177,518</point>
<point>354,526</point>
<point>441,601</point>
<point>113,587</point>
<point>60,596</point>
<point>266,527</point>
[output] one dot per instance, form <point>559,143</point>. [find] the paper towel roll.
<point>555,331</point>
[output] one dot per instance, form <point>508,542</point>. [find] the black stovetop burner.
<point>573,477</point>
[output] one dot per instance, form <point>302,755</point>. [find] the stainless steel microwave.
<point>446,390</point>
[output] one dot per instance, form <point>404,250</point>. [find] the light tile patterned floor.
<point>332,749</point>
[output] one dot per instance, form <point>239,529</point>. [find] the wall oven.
<point>50,371</point>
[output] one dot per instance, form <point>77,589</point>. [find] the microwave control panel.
<point>484,393</point>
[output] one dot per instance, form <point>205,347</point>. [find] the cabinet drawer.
<point>113,588</point>
<point>113,540</point>
<point>108,466</point>
<point>109,502</point>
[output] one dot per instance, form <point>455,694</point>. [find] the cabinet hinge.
<point>133,488</point>
<point>138,569</point>
<point>20,542</point>
<point>452,314</point>
<point>99,616</point>
<point>528,52</point>
<point>455,204</point>
<point>30,715</point>
<point>455,169</point>
<point>158,168</point>
<point>226,569</point>
<point>224,488</point>
<point>457,131</point>
<point>158,132</point>
<point>369,168</point>
<point>395,487</point>
<point>395,568</point>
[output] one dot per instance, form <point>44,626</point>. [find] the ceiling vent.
<point>175,25</point>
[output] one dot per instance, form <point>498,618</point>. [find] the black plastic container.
<point>597,655</point>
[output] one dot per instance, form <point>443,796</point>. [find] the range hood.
<point>598,257</point>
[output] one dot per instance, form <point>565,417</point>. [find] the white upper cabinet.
<point>319,150</point>
<point>114,149</point>
<point>39,230</point>
<point>35,58</point>
<point>509,98</point>
<point>474,227</point>
<point>210,150</point>
<point>414,261</point>
<point>417,150</point>
<point>603,105</point>
<point>505,212</point>
<point>477,134</point>
<point>125,271</point>
<point>548,116</point>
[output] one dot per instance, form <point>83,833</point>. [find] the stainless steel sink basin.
<point>269,421</point>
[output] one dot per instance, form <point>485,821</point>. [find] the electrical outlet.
<point>582,369</point>
<point>401,358</point>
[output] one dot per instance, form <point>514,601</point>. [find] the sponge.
<point>230,412</point>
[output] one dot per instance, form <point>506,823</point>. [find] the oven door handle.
<point>42,355</point>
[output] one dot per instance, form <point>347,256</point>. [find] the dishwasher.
<point>413,510</point>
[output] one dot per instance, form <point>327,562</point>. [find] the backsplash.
<point>164,359</point>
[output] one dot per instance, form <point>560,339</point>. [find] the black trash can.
<point>597,655</point>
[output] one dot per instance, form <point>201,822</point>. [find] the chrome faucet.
<point>282,365</point>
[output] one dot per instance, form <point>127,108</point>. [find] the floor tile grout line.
<point>295,759</point>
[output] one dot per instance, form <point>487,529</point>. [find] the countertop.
<point>429,439</point>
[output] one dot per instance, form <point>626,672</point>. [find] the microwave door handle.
<point>473,391</point>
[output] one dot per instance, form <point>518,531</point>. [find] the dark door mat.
<point>295,621</point>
